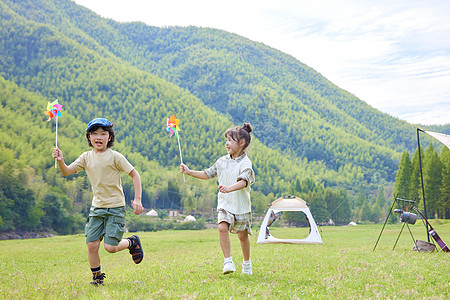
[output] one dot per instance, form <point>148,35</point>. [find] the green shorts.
<point>108,223</point>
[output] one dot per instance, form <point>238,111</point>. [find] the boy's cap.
<point>98,122</point>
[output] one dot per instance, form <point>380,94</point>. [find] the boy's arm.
<point>137,202</point>
<point>65,170</point>
<point>197,174</point>
<point>234,187</point>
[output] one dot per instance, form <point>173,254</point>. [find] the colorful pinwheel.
<point>173,126</point>
<point>54,111</point>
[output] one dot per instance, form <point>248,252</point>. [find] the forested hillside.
<point>310,137</point>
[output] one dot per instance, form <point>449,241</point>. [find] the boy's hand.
<point>137,206</point>
<point>184,168</point>
<point>57,154</point>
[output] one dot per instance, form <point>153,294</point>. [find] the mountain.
<point>305,127</point>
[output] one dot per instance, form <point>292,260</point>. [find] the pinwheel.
<point>173,127</point>
<point>54,111</point>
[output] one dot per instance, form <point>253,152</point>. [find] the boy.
<point>107,214</point>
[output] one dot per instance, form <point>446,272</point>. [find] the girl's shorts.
<point>237,223</point>
<point>107,223</point>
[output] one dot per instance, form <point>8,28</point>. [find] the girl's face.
<point>234,148</point>
<point>99,140</point>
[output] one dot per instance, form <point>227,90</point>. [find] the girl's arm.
<point>65,170</point>
<point>234,187</point>
<point>137,202</point>
<point>197,174</point>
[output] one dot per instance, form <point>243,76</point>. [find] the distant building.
<point>174,213</point>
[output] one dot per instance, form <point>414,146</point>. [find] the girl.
<point>235,175</point>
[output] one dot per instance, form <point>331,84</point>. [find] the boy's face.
<point>99,139</point>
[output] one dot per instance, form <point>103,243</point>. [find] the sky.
<point>392,54</point>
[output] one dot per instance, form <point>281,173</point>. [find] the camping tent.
<point>288,203</point>
<point>190,218</point>
<point>152,213</point>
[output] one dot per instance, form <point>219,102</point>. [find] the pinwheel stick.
<point>56,142</point>
<point>179,148</point>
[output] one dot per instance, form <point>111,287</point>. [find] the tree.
<point>318,205</point>
<point>381,201</point>
<point>415,184</point>
<point>361,198</point>
<point>432,180</point>
<point>403,178</point>
<point>444,202</point>
<point>375,213</point>
<point>338,205</point>
<point>56,217</point>
<point>18,210</point>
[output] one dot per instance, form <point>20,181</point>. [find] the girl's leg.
<point>245,244</point>
<point>224,238</point>
<point>93,255</point>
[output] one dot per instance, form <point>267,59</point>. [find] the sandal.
<point>137,254</point>
<point>98,280</point>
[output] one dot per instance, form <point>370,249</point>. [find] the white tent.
<point>189,218</point>
<point>288,203</point>
<point>152,213</point>
<point>443,138</point>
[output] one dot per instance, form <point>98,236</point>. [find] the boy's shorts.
<point>237,223</point>
<point>108,223</point>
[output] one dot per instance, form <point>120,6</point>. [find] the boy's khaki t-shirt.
<point>103,170</point>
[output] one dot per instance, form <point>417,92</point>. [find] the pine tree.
<point>375,213</point>
<point>432,180</point>
<point>361,199</point>
<point>403,178</point>
<point>381,201</point>
<point>444,203</point>
<point>360,204</point>
<point>415,185</point>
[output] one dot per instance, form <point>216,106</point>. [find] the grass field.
<point>188,265</point>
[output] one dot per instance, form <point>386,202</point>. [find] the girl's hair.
<point>109,128</point>
<point>238,133</point>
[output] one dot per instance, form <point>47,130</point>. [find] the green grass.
<point>188,264</point>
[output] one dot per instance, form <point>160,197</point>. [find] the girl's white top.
<point>229,171</point>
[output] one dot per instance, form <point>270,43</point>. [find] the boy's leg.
<point>114,230</point>
<point>224,238</point>
<point>132,243</point>
<point>123,244</point>
<point>93,255</point>
<point>245,244</point>
<point>94,262</point>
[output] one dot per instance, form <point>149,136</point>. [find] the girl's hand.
<point>224,189</point>
<point>57,154</point>
<point>184,168</point>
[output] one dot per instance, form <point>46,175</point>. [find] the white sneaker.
<point>228,267</point>
<point>247,268</point>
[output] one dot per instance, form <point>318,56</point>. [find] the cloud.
<point>395,55</point>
